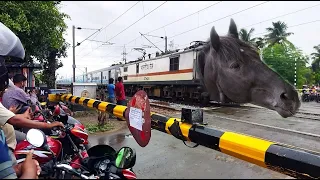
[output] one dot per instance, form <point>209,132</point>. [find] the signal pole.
<point>295,72</point>
<point>74,55</point>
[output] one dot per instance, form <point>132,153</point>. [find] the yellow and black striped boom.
<point>289,160</point>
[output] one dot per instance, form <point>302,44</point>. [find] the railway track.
<point>178,105</point>
<point>214,105</point>
<point>300,115</point>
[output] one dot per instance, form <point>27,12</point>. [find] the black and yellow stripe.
<point>285,159</point>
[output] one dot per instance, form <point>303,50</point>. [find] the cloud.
<point>95,14</point>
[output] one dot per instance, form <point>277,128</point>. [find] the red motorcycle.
<point>103,161</point>
<point>65,145</point>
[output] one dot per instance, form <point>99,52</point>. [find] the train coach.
<point>170,76</point>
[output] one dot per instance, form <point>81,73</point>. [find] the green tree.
<point>315,65</point>
<point>316,59</point>
<point>278,33</point>
<point>40,27</point>
<point>282,59</point>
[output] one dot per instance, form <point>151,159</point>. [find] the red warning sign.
<point>138,118</point>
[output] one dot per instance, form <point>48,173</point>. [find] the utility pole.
<point>74,45</point>
<point>166,44</point>
<point>74,54</point>
<point>295,72</point>
<point>86,70</point>
<point>124,54</point>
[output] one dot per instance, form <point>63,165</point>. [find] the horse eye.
<point>235,66</point>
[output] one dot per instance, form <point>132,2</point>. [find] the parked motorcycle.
<point>66,144</point>
<point>103,161</point>
<point>305,96</point>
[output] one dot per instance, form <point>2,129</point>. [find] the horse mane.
<point>230,49</point>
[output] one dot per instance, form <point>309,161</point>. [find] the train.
<point>170,75</point>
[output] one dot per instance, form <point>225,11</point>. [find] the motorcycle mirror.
<point>138,118</point>
<point>36,137</point>
<point>126,158</point>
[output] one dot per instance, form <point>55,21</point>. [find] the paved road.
<point>166,157</point>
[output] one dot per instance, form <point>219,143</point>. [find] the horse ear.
<point>215,39</point>
<point>233,31</point>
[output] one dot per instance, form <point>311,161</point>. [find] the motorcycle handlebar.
<point>58,128</point>
<point>70,169</point>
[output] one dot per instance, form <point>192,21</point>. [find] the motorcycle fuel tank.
<point>40,154</point>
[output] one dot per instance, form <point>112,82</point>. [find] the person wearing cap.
<point>16,96</point>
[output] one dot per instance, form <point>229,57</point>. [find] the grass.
<point>93,128</point>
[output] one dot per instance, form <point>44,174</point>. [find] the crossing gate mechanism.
<point>286,159</point>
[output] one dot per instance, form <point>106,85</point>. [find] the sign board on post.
<point>87,90</point>
<point>138,118</point>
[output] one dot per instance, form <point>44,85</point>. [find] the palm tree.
<point>245,36</point>
<point>278,34</point>
<point>316,58</point>
<point>259,42</point>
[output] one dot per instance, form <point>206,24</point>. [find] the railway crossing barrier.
<point>286,159</point>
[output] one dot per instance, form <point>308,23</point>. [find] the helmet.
<point>10,45</point>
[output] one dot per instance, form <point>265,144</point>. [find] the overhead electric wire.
<point>89,36</point>
<point>221,19</point>
<point>301,24</point>
<point>177,20</point>
<point>282,15</point>
<point>216,20</point>
<point>150,41</point>
<point>128,27</point>
<point>290,13</point>
<point>113,21</point>
<point>292,26</point>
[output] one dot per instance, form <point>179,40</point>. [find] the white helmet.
<point>10,45</point>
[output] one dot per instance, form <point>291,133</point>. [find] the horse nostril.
<point>284,96</point>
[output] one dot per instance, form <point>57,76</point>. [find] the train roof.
<point>181,51</point>
<point>107,68</point>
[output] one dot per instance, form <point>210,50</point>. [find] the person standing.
<point>111,97</point>
<point>120,94</point>
<point>111,88</point>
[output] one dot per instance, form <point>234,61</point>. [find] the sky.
<point>166,18</point>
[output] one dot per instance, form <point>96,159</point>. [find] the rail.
<point>286,159</point>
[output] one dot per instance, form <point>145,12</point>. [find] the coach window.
<point>174,64</point>
<point>125,77</point>
<point>125,69</point>
<point>137,69</point>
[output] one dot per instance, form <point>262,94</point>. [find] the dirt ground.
<point>91,118</point>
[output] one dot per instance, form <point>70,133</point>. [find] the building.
<point>23,68</point>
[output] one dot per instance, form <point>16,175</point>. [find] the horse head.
<point>231,70</point>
